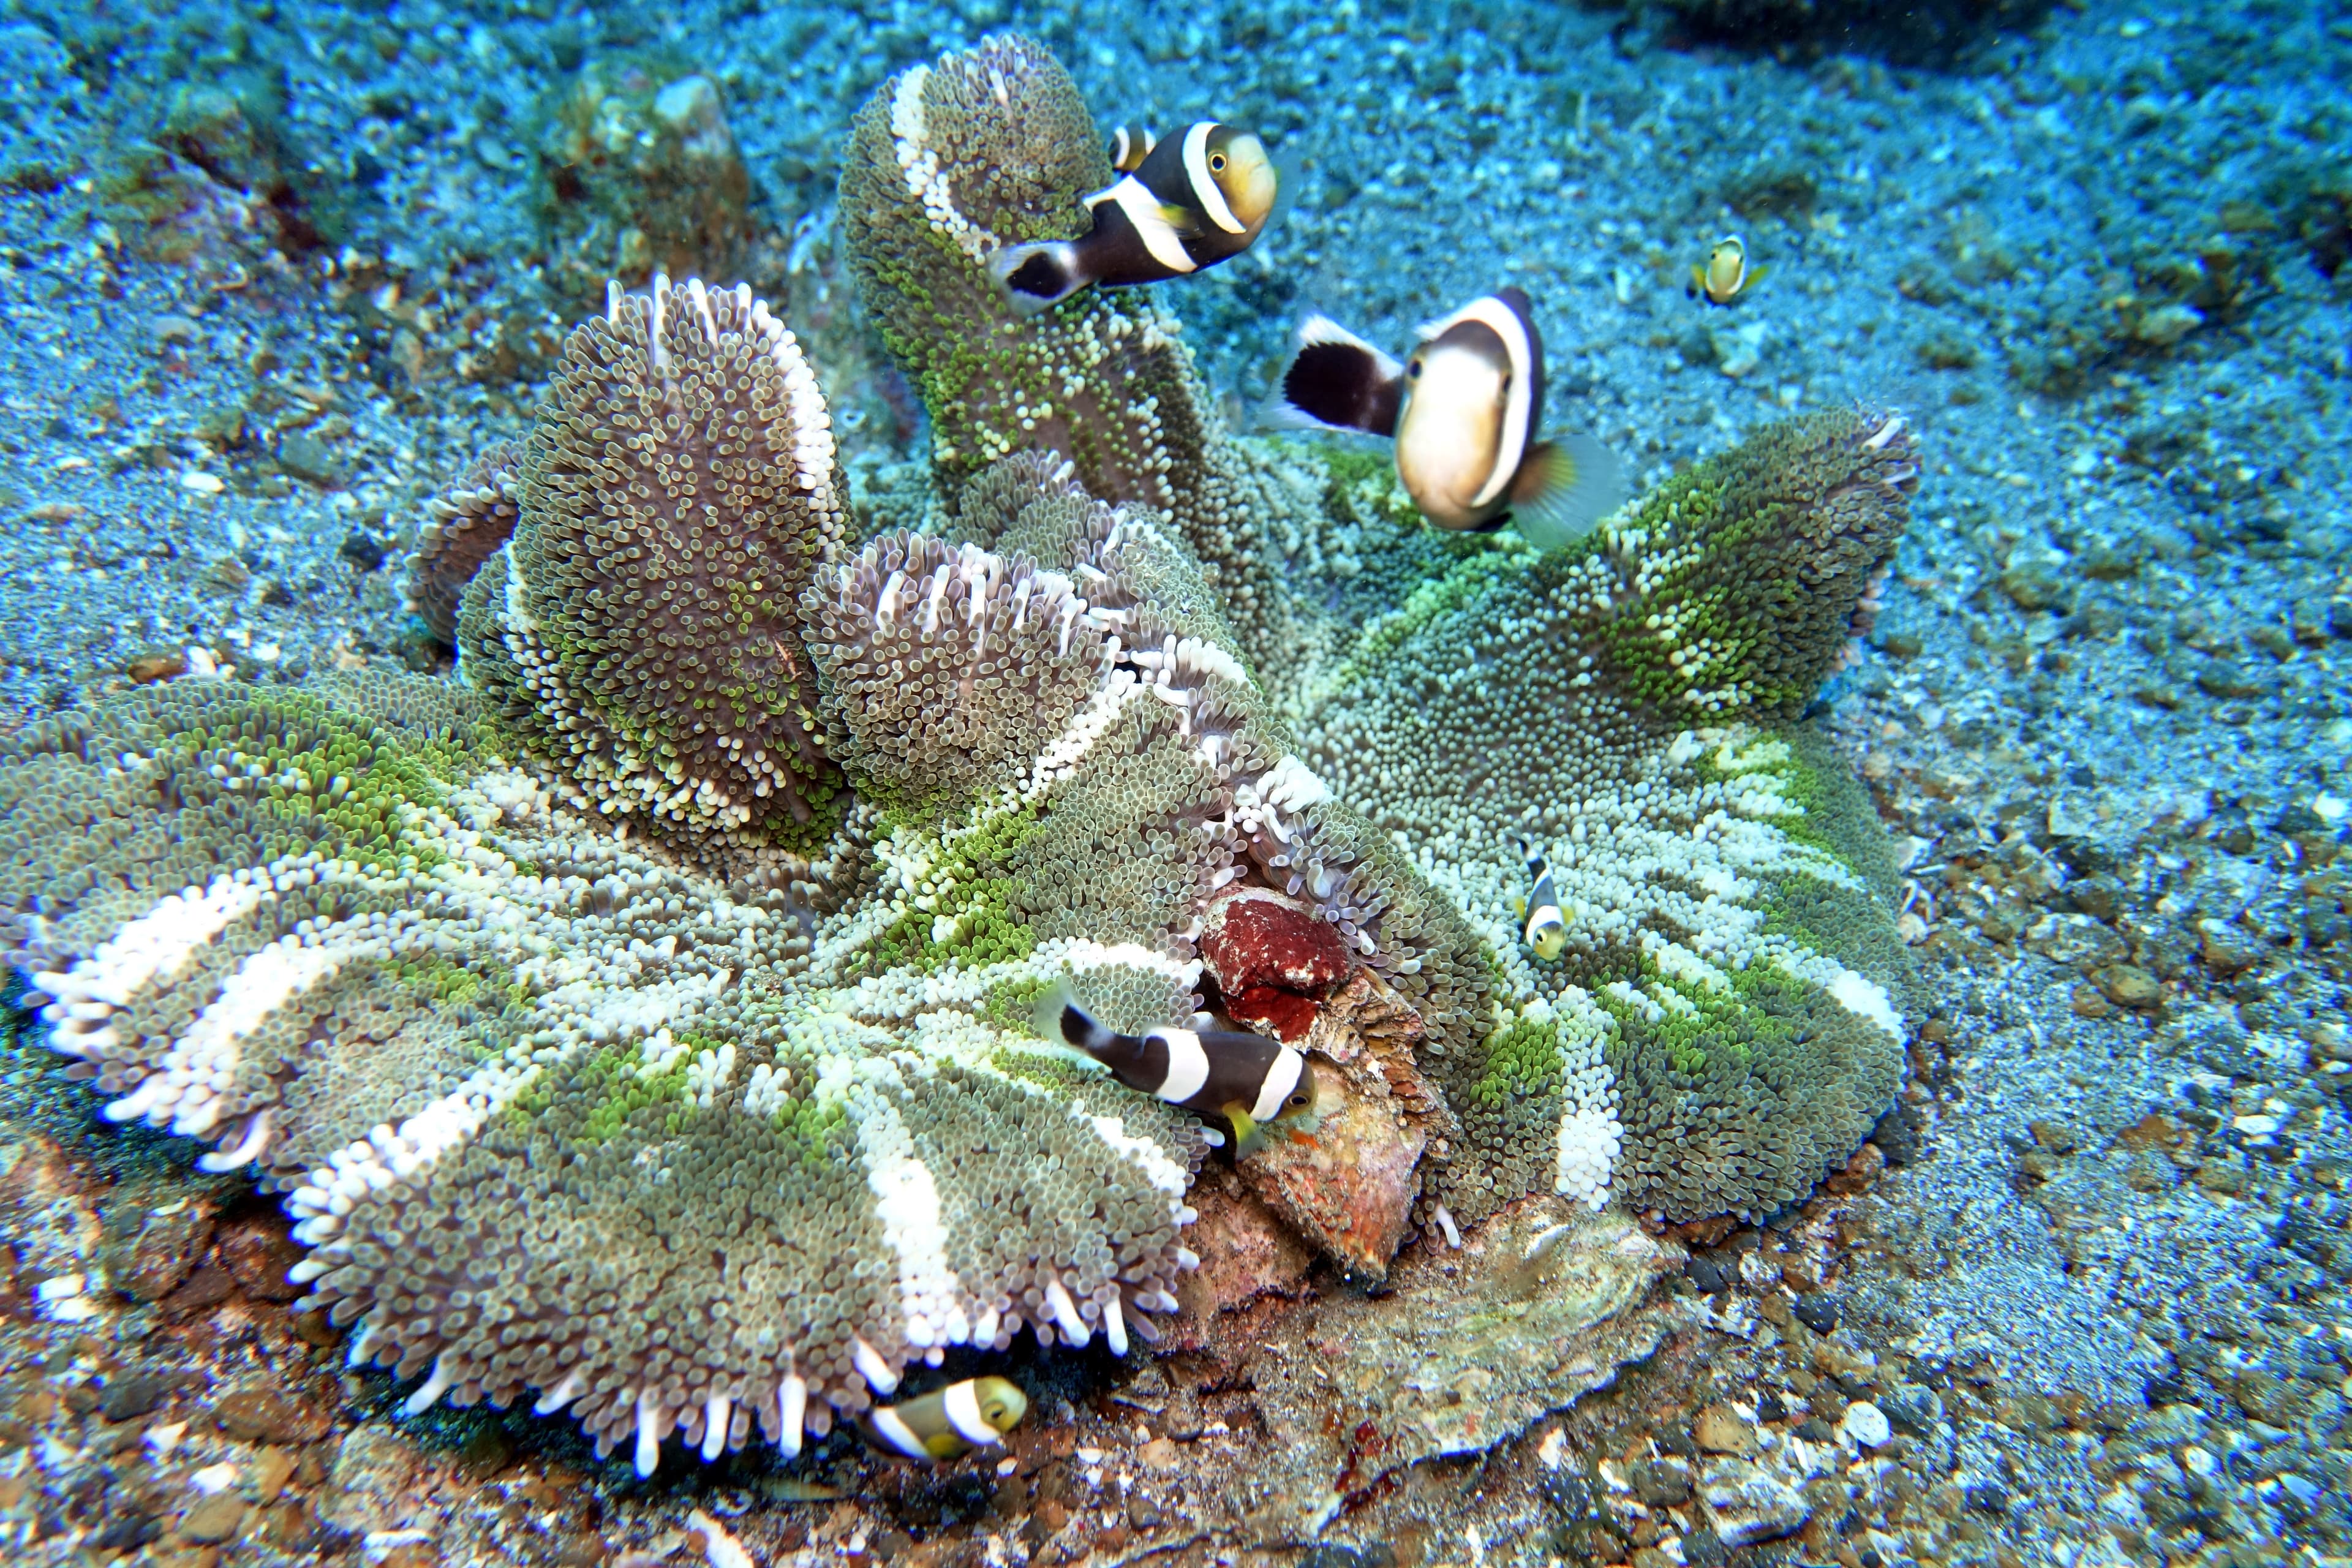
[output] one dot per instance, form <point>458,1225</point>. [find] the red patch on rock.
<point>1284,1015</point>
<point>1256,939</point>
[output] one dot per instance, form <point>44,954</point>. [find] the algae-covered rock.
<point>639,175</point>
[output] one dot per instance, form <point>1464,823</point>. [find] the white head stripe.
<point>1188,1065</point>
<point>963,1414</point>
<point>1142,209</point>
<point>1519,409</point>
<point>1280,1079</point>
<point>1542,916</point>
<point>1204,184</point>
<point>899,1435</point>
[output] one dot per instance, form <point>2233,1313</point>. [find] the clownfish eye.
<point>1216,163</point>
<point>1412,371</point>
<point>1297,1100</point>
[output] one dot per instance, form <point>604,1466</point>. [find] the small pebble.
<point>1867,1425</point>
<point>1817,1312</point>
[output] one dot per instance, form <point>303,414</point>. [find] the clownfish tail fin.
<point>1037,276</point>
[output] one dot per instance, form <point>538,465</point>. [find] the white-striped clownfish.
<point>1547,932</point>
<point>1129,146</point>
<point>1463,412</point>
<point>1191,202</point>
<point>1248,1080</point>
<point>1727,275</point>
<point>947,1423</point>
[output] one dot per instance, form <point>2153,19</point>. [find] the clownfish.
<point>1547,932</point>
<point>1248,1080</point>
<point>1129,146</point>
<point>947,1423</point>
<point>1192,201</point>
<point>1463,412</point>
<point>1726,274</point>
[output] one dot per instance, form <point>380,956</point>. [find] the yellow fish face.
<point>1727,269</point>
<point>1449,431</point>
<point>1547,939</point>
<point>1238,162</point>
<point>1001,1403</point>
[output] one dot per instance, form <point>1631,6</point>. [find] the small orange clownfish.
<point>1727,275</point>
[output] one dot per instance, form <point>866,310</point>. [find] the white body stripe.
<point>899,1435</point>
<point>1205,189</point>
<point>1519,410</point>
<point>962,1404</point>
<point>1280,1079</point>
<point>1188,1065</point>
<point>1142,209</point>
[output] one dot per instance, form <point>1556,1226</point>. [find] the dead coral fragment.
<point>678,488</point>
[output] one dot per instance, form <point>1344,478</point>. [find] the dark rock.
<point>259,1415</point>
<point>306,458</point>
<point>1770,1407</point>
<point>256,1255</point>
<point>1813,1429</point>
<point>2159,1392</point>
<point>1912,1410</point>
<point>1661,1484</point>
<point>125,1533</point>
<point>363,550</point>
<point>1702,1548</point>
<point>1673,1440</point>
<point>1708,1275</point>
<point>136,1393</point>
<point>1817,1312</point>
<point>1986,1497</point>
<point>207,1286</point>
<point>150,1248</point>
<point>1897,1135</point>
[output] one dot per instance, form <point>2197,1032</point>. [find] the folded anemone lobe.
<point>678,490</point>
<point>462,525</point>
<point>993,146</point>
<point>1725,1020</point>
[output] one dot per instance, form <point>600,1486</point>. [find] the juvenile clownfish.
<point>1192,201</point>
<point>947,1423</point>
<point>1726,274</point>
<point>1130,145</point>
<point>1463,412</point>
<point>1547,932</point>
<point>1248,1080</point>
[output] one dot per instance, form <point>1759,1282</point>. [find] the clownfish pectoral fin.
<point>1755,276</point>
<point>1181,221</point>
<point>1697,289</point>
<point>1563,489</point>
<point>1336,381</point>
<point>1034,277</point>
<point>1248,1136</point>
